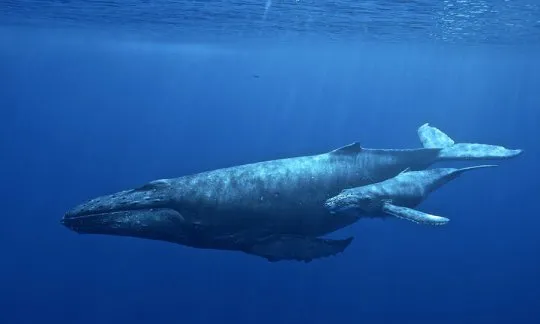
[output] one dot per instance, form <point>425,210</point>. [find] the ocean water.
<point>101,96</point>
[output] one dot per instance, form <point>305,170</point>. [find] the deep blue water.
<point>98,96</point>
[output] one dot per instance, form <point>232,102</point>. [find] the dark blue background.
<point>81,118</point>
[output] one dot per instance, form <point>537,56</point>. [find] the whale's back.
<point>287,195</point>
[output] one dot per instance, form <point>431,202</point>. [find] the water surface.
<point>461,21</point>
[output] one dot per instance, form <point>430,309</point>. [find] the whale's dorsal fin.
<point>352,148</point>
<point>408,169</point>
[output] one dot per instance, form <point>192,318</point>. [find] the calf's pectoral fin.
<point>299,248</point>
<point>414,215</point>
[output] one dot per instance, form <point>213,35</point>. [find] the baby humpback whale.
<point>397,196</point>
<point>273,209</point>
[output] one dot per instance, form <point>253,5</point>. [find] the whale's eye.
<point>367,200</point>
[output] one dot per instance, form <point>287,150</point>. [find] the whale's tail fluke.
<point>432,137</point>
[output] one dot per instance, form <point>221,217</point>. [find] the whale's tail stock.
<point>432,137</point>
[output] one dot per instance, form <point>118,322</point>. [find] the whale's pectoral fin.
<point>432,137</point>
<point>299,248</point>
<point>414,215</point>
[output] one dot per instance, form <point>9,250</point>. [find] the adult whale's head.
<point>146,212</point>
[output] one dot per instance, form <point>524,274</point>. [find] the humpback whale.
<point>397,196</point>
<point>272,209</point>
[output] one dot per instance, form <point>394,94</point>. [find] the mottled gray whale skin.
<point>396,196</point>
<point>274,209</point>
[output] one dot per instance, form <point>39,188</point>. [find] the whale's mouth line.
<point>80,217</point>
<point>96,215</point>
<point>78,223</point>
<point>135,205</point>
<point>87,213</point>
<point>147,222</point>
<point>90,222</point>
